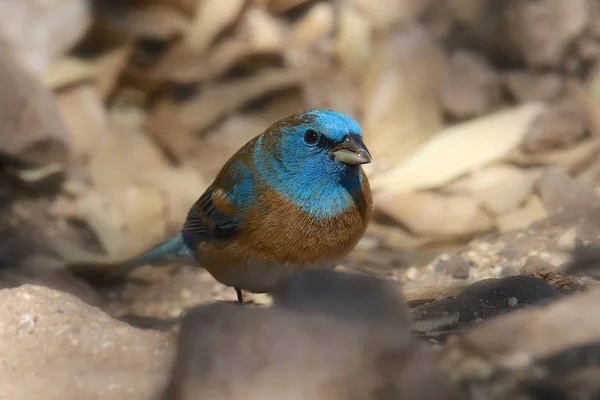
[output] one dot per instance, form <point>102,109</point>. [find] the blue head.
<point>315,159</point>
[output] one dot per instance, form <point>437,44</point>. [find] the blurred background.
<point>115,116</point>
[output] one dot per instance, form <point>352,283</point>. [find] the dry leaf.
<point>387,13</point>
<point>520,218</point>
<point>317,23</point>
<point>264,32</point>
<point>212,16</point>
<point>279,6</point>
<point>435,215</point>
<point>214,149</point>
<point>353,43</point>
<point>460,149</point>
<point>401,95</point>
<point>67,71</point>
<point>218,101</point>
<point>499,188</point>
<point>156,21</point>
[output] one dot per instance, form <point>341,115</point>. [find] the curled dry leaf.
<point>67,71</point>
<point>263,31</point>
<point>212,16</point>
<point>133,190</point>
<point>218,101</point>
<point>183,64</point>
<point>460,149</point>
<point>353,41</point>
<point>215,148</point>
<point>387,13</point>
<point>155,21</point>
<point>571,156</point>
<point>317,23</point>
<point>331,90</point>
<point>522,217</point>
<point>434,214</point>
<point>499,188</point>
<point>279,6</point>
<point>401,95</point>
<point>103,70</point>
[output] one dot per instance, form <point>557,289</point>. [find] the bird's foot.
<point>240,297</point>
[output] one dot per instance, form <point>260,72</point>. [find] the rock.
<point>479,301</point>
<point>538,268</point>
<point>313,344</point>
<point>590,173</point>
<point>471,87</point>
<point>586,259</point>
<point>456,266</point>
<point>56,347</point>
<point>31,132</point>
<point>526,86</point>
<point>490,297</point>
<point>533,348</point>
<point>539,32</point>
<point>349,296</point>
<point>40,31</point>
<point>561,193</point>
<point>561,125</point>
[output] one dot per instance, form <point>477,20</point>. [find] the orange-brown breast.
<point>278,237</point>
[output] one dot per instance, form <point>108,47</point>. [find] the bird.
<point>295,197</point>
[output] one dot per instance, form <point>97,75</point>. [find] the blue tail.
<point>173,250</point>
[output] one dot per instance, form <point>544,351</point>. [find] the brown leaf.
<point>218,101</point>
<point>460,149</point>
<point>400,95</point>
<point>432,214</point>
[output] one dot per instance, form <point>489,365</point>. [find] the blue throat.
<point>321,187</point>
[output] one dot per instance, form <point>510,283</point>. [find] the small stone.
<point>539,32</point>
<point>561,193</point>
<point>561,125</point>
<point>471,87</point>
<point>568,240</point>
<point>412,273</point>
<point>526,86</point>
<point>512,301</point>
<point>457,267</point>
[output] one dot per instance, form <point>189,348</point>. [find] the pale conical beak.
<point>351,151</point>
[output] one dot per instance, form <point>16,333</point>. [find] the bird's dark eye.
<point>311,137</point>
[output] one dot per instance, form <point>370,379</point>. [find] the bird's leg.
<point>240,297</point>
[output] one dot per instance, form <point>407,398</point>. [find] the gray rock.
<point>54,346</point>
<point>326,337</point>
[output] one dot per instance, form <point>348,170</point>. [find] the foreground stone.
<point>329,336</point>
<point>54,346</point>
<point>533,353</point>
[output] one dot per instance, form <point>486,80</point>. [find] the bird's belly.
<point>253,275</point>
